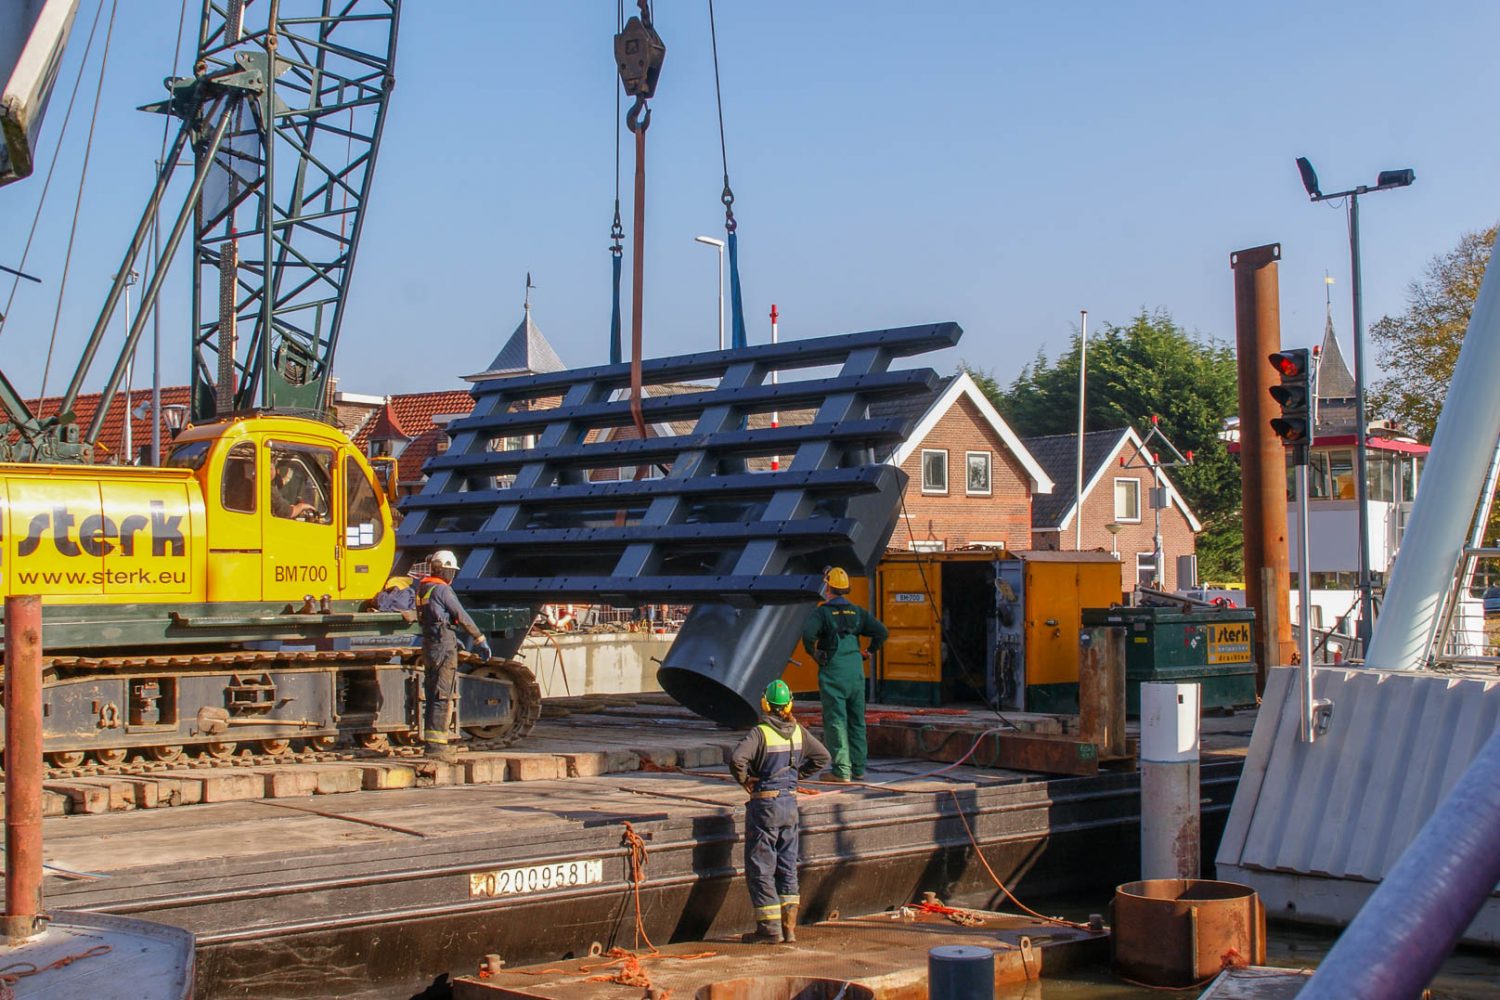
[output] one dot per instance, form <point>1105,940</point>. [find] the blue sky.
<point>1000,164</point>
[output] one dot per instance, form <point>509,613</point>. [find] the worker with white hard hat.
<point>440,614</point>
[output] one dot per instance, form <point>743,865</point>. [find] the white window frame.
<point>929,489</point>
<point>928,545</point>
<point>1136,484</point>
<point>989,473</point>
<point>1150,557</point>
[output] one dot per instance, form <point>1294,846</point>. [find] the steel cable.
<point>52,167</point>
<point>88,149</point>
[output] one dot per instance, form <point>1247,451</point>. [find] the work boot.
<point>839,779</point>
<point>766,932</point>
<point>789,922</point>
<point>441,751</point>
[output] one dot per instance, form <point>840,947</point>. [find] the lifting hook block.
<point>639,53</point>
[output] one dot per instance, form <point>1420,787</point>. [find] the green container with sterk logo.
<point>1168,645</point>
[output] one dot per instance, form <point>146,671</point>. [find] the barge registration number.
<point>535,878</point>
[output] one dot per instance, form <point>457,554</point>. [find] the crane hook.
<point>634,119</point>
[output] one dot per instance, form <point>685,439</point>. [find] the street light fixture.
<point>174,415</point>
<point>710,241</point>
<point>1114,528</point>
<point>1384,181</point>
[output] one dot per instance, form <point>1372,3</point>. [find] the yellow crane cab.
<point>251,508</point>
<point>291,509</point>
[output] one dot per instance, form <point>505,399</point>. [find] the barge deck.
<point>336,894</point>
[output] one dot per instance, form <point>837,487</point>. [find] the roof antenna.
<point>526,302</point>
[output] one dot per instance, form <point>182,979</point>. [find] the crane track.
<point>399,745</point>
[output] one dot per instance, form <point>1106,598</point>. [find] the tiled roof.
<point>112,434</point>
<point>910,408</point>
<point>1058,454</point>
<point>413,413</point>
<point>527,352</point>
<point>386,426</point>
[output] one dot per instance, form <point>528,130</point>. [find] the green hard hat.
<point>777,693</point>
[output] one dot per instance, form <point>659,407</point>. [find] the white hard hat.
<point>443,559</point>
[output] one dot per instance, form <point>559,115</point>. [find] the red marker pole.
<point>23,766</point>
<point>775,415</point>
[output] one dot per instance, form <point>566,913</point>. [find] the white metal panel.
<point>1335,534</point>
<point>32,36</point>
<point>1346,806</point>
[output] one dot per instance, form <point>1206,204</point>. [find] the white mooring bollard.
<point>1169,781</point>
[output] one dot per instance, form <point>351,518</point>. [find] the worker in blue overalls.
<point>768,762</point>
<point>440,614</point>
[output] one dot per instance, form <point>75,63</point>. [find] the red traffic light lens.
<point>1290,364</point>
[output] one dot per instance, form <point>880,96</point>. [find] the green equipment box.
<point>1168,645</point>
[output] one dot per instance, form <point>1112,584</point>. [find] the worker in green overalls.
<point>831,636</point>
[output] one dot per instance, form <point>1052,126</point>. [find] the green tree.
<point>1419,348</point>
<point>1149,367</point>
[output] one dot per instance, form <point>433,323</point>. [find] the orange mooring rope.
<point>637,846</point>
<point>958,807</point>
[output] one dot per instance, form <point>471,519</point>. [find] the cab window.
<point>238,491</point>
<point>362,525</point>
<point>190,455</point>
<point>301,482</point>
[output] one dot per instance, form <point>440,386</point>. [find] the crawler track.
<point>179,754</point>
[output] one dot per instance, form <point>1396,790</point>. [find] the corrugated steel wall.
<point>1346,806</point>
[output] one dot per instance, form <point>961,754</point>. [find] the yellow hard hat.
<point>397,583</point>
<point>836,578</point>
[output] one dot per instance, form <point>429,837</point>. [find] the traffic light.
<point>1294,395</point>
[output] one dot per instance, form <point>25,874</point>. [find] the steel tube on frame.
<point>23,766</point>
<point>1467,431</point>
<point>1411,923</point>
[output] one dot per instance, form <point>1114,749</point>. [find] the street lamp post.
<point>1083,367</point>
<point>1386,180</point>
<point>128,442</point>
<point>710,241</point>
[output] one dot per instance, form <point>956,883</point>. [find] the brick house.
<point>1116,491</point>
<point>971,478</point>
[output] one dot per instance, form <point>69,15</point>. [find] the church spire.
<point>1335,380</point>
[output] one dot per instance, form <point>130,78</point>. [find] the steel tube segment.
<point>961,972</point>
<point>1170,823</point>
<point>1462,446</point>
<point>725,656</point>
<point>1411,923</point>
<point>1257,334</point>
<point>23,766</point>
